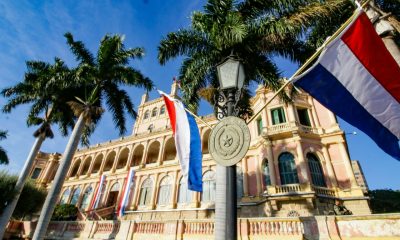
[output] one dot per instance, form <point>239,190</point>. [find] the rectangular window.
<point>278,116</point>
<point>303,116</point>
<point>259,126</point>
<point>36,173</point>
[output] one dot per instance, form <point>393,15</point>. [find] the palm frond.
<point>182,42</point>
<point>79,50</point>
<point>3,156</point>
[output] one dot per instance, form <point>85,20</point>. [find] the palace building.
<point>297,165</point>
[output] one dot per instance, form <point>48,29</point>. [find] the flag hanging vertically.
<point>96,199</point>
<point>125,193</point>
<point>187,142</point>
<point>357,78</point>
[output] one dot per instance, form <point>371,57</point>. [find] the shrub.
<point>65,212</point>
<point>30,200</point>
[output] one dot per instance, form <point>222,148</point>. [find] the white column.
<point>116,159</point>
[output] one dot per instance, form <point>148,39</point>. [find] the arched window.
<point>65,196</point>
<point>209,186</point>
<point>75,196</point>
<point>154,112</point>
<point>145,192</point>
<point>162,110</point>
<point>184,194</point>
<point>287,169</point>
<point>164,194</point>
<point>239,183</point>
<point>146,114</point>
<point>86,198</point>
<point>317,176</point>
<point>266,173</point>
<point>113,195</point>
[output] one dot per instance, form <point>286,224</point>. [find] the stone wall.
<point>380,226</point>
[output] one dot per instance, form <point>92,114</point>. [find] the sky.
<point>33,30</point>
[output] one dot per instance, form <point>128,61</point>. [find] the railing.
<point>279,128</point>
<point>290,126</point>
<point>199,227</point>
<point>374,226</point>
<point>99,213</point>
<point>150,227</point>
<point>308,129</point>
<point>290,226</point>
<point>324,191</point>
<point>289,188</point>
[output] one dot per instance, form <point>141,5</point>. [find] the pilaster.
<point>271,164</point>
<point>347,164</point>
<point>329,166</point>
<point>154,191</point>
<point>304,170</point>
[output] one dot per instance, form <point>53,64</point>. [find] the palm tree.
<point>326,26</point>
<point>3,153</point>
<point>255,31</point>
<point>102,76</point>
<point>47,96</point>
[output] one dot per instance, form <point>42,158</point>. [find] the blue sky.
<point>33,30</point>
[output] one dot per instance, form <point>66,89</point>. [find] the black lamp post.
<point>231,78</point>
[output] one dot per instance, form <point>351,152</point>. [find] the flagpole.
<point>199,118</point>
<point>311,59</point>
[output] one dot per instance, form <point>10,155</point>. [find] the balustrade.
<point>290,226</point>
<point>324,191</point>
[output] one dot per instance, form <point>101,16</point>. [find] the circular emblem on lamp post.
<point>229,141</point>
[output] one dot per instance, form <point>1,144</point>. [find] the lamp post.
<point>231,79</point>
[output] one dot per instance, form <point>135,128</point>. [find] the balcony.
<point>300,189</point>
<point>290,127</point>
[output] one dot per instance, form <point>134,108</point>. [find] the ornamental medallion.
<point>229,141</point>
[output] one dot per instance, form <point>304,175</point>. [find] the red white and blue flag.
<point>187,142</point>
<point>128,183</point>
<point>100,188</point>
<point>357,78</point>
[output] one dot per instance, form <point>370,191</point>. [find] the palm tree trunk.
<point>9,209</point>
<point>52,196</point>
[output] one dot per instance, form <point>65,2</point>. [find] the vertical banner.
<point>125,191</point>
<point>96,199</point>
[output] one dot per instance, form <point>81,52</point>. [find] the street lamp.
<point>231,74</point>
<point>231,78</point>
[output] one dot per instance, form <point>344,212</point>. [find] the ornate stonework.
<point>229,141</point>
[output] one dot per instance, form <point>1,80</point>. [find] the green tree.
<point>44,89</point>
<point>30,201</point>
<point>336,16</point>
<point>384,200</point>
<point>7,191</point>
<point>3,152</point>
<point>102,77</point>
<point>65,212</point>
<point>32,197</point>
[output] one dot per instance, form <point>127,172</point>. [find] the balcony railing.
<point>289,189</point>
<point>289,127</point>
<point>324,191</point>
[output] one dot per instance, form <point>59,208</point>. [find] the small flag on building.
<point>123,203</point>
<point>100,188</point>
<point>357,78</point>
<point>187,142</point>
